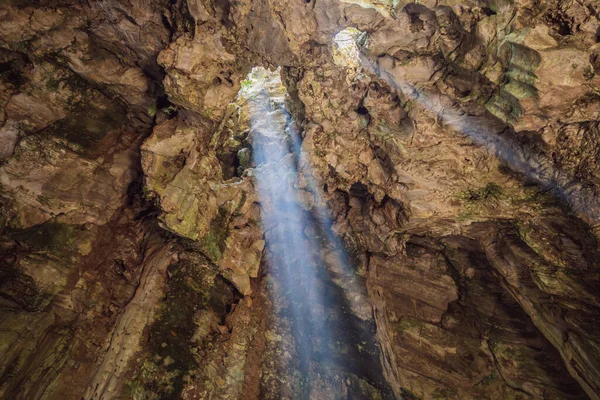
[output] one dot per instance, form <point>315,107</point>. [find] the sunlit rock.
<point>202,75</point>
<point>398,201</point>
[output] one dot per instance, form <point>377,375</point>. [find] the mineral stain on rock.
<point>299,199</point>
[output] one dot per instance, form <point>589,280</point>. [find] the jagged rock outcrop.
<point>449,176</point>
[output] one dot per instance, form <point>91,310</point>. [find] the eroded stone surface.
<point>459,165</point>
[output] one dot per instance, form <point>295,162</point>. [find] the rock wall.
<point>458,161</point>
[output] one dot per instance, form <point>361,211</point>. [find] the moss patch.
<point>505,106</point>
<point>489,191</point>
<point>406,394</point>
<point>213,243</point>
<point>50,236</point>
<point>475,201</point>
<point>407,324</point>
<point>171,354</point>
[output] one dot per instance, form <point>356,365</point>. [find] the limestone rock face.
<point>183,170</point>
<point>443,186</point>
<point>201,75</point>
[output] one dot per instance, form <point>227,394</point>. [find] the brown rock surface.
<point>437,197</point>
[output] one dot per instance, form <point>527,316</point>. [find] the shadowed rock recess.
<point>299,199</point>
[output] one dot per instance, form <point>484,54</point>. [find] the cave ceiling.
<point>300,199</point>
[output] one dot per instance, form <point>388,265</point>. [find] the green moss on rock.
<point>213,243</point>
<point>170,351</point>
<point>50,236</point>
<point>477,201</point>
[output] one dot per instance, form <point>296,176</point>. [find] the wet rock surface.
<point>444,182</point>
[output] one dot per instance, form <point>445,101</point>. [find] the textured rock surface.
<point>457,160</point>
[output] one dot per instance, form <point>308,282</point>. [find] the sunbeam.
<point>493,134</point>
<point>316,281</point>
